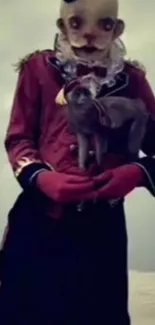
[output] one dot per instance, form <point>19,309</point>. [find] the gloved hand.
<point>119,182</point>
<point>65,188</point>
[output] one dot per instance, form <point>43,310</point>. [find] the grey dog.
<point>89,119</point>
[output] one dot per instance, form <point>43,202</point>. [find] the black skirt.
<point>67,272</point>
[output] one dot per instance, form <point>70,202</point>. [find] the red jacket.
<point>38,135</point>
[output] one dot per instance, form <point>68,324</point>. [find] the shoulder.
<point>33,58</point>
<point>135,68</point>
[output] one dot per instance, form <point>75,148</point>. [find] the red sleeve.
<point>147,163</point>
<point>147,95</point>
<point>22,132</point>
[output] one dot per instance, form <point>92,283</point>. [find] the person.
<point>63,262</point>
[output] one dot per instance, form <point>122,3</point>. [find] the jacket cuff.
<point>148,166</point>
<point>29,174</point>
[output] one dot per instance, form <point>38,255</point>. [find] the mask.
<point>90,27</point>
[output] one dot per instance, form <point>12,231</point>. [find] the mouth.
<point>85,49</point>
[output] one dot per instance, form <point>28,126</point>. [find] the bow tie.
<point>83,69</point>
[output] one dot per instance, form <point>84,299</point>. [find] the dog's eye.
<point>106,24</point>
<point>75,22</point>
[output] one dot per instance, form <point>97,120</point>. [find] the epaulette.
<point>138,65</point>
<point>21,62</point>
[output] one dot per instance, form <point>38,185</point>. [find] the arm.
<point>21,143</point>
<point>23,129</point>
<point>122,180</point>
<point>147,163</point>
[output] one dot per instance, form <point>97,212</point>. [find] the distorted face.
<point>90,30</point>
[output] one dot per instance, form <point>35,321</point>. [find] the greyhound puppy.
<point>90,119</point>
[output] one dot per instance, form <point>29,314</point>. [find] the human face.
<point>89,40</point>
<point>91,30</point>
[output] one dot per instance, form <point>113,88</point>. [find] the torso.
<point>56,140</point>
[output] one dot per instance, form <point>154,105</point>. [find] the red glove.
<point>65,188</point>
<point>119,182</point>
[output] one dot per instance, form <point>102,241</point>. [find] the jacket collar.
<point>121,80</point>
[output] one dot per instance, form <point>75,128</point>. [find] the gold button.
<point>73,147</point>
<point>91,153</point>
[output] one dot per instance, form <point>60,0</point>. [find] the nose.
<point>89,37</point>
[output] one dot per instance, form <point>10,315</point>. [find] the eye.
<point>106,24</point>
<point>75,22</point>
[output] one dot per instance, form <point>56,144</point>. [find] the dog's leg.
<point>136,135</point>
<point>100,147</point>
<point>83,150</point>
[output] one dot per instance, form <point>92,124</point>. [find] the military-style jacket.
<point>38,135</point>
